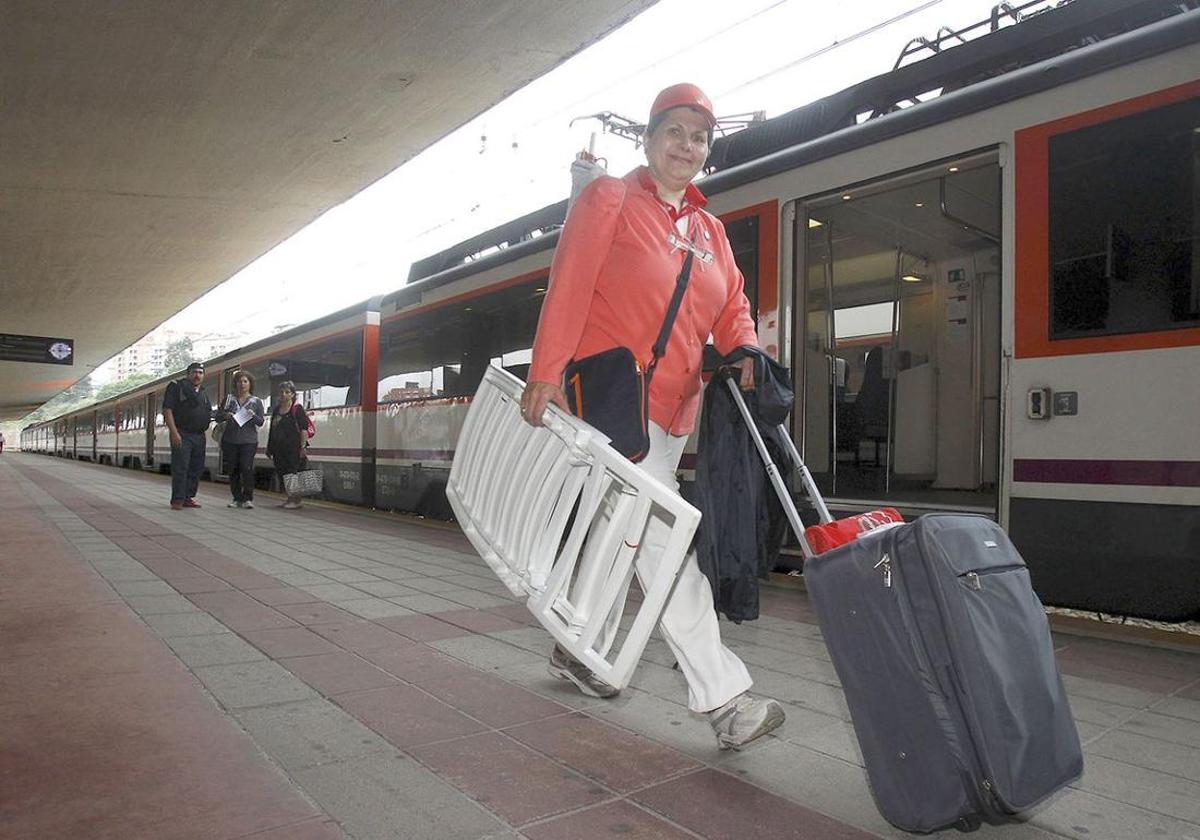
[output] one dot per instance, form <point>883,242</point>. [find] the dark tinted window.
<point>443,352</point>
<point>326,374</point>
<point>743,239</point>
<point>1124,209</point>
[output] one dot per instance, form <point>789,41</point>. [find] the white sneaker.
<point>248,505</point>
<point>234,505</point>
<point>743,719</point>
<point>291,505</point>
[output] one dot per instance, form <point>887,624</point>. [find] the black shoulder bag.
<point>611,392</point>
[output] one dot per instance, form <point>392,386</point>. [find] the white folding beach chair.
<point>558,515</point>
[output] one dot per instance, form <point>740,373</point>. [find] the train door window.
<point>1124,211</point>
<point>898,336</point>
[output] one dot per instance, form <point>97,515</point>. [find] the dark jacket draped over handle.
<point>743,522</point>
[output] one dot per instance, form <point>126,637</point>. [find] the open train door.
<point>558,515</point>
<point>898,339</point>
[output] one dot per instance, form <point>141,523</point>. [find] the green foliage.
<point>78,394</point>
<point>178,355</point>
<point>112,389</point>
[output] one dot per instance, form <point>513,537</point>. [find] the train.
<point>989,300</point>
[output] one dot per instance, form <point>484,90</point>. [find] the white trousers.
<point>715,675</point>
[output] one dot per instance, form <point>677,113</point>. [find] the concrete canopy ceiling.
<point>150,149</point>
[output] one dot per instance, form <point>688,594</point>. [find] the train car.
<point>981,268</point>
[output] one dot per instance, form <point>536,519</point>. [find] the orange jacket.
<point>611,282</point>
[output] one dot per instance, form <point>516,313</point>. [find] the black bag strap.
<point>660,345</point>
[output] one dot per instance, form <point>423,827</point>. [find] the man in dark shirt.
<point>187,411</point>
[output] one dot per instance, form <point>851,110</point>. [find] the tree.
<point>122,385</point>
<point>179,354</point>
<point>76,395</point>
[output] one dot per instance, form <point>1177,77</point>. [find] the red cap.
<point>685,96</point>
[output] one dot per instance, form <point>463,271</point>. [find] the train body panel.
<point>337,450</point>
<point>415,446</point>
<point>1108,404</point>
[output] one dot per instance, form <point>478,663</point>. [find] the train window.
<point>743,239</point>
<point>443,352</point>
<point>326,375</point>
<point>1124,212</point>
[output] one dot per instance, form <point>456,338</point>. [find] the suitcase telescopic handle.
<point>785,498</point>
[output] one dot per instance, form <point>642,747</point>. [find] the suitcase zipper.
<point>986,795</point>
<point>973,581</point>
<point>949,693</point>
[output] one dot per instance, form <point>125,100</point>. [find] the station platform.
<point>332,673</point>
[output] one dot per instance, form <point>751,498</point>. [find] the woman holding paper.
<point>243,415</point>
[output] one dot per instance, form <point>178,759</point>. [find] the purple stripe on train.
<point>1144,473</point>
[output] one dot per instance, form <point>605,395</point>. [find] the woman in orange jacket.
<point>611,282</point>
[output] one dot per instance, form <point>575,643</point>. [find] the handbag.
<point>218,430</point>
<point>611,392</point>
<point>304,483</point>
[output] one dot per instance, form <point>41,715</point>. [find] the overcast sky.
<point>757,55</point>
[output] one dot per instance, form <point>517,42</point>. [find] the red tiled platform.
<point>725,808</point>
<point>616,758</point>
<point>520,785</point>
<point>104,734</point>
<point>604,822</point>
<point>505,741</point>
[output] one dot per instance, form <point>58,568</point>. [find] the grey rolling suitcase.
<point>945,657</point>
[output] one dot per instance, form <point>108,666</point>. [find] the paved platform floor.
<point>327,673</point>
